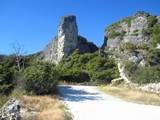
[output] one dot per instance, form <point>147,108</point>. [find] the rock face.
<point>130,39</point>
<point>130,30</point>
<point>66,41</point>
<point>10,110</point>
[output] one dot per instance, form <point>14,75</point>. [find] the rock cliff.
<point>132,40</point>
<point>66,41</point>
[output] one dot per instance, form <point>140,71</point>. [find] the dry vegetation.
<point>132,95</point>
<point>45,107</point>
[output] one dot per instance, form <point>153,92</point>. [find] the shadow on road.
<point>69,93</point>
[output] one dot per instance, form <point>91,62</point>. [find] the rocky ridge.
<point>130,38</point>
<point>134,41</point>
<point>66,41</point>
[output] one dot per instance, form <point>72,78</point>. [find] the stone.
<point>151,87</point>
<point>133,59</point>
<point>67,37</point>
<point>66,41</point>
<point>10,110</point>
<point>158,17</point>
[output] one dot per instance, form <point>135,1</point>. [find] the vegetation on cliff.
<point>95,67</point>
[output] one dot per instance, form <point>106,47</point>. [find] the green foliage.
<point>114,34</point>
<point>143,47</point>
<point>156,35</point>
<point>152,20</point>
<point>154,57</point>
<point>135,31</point>
<point>128,21</point>
<point>83,67</point>
<point>130,67</point>
<point>127,47</point>
<point>147,75</point>
<point>102,70</point>
<point>142,75</point>
<point>3,100</point>
<point>111,29</point>
<point>5,79</point>
<point>41,78</point>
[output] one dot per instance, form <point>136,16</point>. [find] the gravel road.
<point>88,103</point>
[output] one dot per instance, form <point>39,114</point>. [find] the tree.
<point>41,78</point>
<point>18,52</point>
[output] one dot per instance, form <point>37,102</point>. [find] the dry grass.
<point>132,95</point>
<point>46,107</point>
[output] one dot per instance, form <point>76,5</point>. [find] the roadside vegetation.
<point>132,95</point>
<point>34,83</point>
<point>97,68</point>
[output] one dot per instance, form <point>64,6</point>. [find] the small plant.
<point>152,20</point>
<point>156,35</point>
<point>143,47</point>
<point>128,21</point>
<point>147,75</point>
<point>113,34</point>
<point>127,47</point>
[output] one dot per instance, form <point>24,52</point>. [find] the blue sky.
<point>33,23</point>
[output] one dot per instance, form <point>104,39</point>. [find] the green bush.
<point>127,47</point>
<point>153,57</point>
<point>102,69</point>
<point>156,35</point>
<point>143,47</point>
<point>147,75</point>
<point>84,67</point>
<point>152,20</point>
<point>113,34</point>
<point>6,79</point>
<point>128,21</point>
<point>41,78</point>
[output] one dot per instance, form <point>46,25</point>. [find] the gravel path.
<point>88,103</point>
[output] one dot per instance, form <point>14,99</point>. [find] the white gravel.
<point>88,103</point>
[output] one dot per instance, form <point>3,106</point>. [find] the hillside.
<point>129,56</point>
<point>135,42</point>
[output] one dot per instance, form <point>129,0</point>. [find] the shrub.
<point>154,57</point>
<point>147,75</point>
<point>152,20</point>
<point>156,35</point>
<point>113,34</point>
<point>6,79</point>
<point>128,21</point>
<point>102,70</point>
<point>143,47</point>
<point>41,78</point>
<point>127,47</point>
<point>86,67</point>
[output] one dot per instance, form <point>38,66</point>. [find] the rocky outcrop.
<point>66,41</point>
<point>10,110</point>
<point>130,39</point>
<point>152,87</point>
<point>130,30</point>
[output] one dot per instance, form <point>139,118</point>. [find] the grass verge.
<point>38,107</point>
<point>132,95</point>
<point>46,108</point>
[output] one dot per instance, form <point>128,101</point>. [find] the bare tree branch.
<point>18,52</point>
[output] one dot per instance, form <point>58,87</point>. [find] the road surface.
<point>88,103</point>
